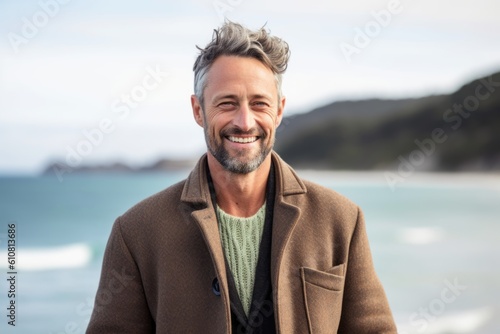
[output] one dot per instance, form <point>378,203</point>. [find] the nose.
<point>244,118</point>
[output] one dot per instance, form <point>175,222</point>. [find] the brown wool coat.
<point>163,255</point>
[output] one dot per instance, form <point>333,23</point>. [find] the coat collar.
<point>288,183</point>
<point>196,188</point>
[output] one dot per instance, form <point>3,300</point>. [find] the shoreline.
<point>416,179</point>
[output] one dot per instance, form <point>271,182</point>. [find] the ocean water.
<point>435,241</point>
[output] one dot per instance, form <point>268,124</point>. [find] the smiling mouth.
<point>242,140</point>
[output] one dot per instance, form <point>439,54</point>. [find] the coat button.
<point>215,287</point>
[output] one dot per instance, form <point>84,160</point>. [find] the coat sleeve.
<point>365,306</point>
<point>120,304</point>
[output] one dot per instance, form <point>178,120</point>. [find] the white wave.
<point>68,256</point>
<point>457,323</point>
<point>421,235</point>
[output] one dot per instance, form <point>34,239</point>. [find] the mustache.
<point>235,131</point>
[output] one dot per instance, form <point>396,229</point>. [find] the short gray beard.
<point>233,164</point>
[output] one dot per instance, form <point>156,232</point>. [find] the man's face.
<point>240,114</point>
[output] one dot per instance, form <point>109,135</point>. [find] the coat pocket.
<point>323,291</point>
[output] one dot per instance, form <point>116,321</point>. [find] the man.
<point>243,245</point>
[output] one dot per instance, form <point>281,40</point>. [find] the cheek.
<point>216,123</point>
<point>269,123</point>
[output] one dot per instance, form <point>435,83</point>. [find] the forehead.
<point>232,73</point>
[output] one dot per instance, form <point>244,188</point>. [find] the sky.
<point>87,82</point>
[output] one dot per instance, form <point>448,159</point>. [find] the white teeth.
<point>242,140</point>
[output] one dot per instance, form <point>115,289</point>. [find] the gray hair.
<point>232,39</point>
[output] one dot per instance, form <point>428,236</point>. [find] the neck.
<point>240,195</point>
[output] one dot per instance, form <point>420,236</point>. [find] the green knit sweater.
<point>240,239</point>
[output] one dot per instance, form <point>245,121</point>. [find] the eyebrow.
<point>235,97</point>
<point>227,96</point>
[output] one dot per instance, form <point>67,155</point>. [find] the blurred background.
<point>395,104</point>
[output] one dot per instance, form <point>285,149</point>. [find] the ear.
<point>197,110</point>
<point>281,108</point>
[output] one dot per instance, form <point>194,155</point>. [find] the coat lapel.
<point>197,196</point>
<point>286,216</point>
<point>286,213</point>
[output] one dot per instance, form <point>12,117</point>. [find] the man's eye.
<point>260,104</point>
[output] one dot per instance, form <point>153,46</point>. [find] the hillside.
<point>162,165</point>
<point>459,131</point>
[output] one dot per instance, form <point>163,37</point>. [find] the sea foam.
<point>67,256</point>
